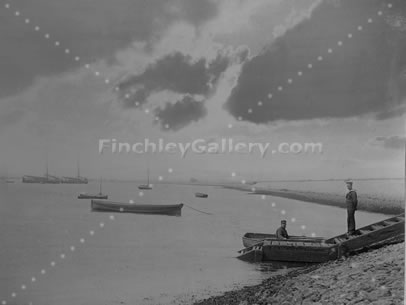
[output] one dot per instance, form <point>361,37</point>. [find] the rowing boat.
<point>110,206</point>
<point>201,195</point>
<point>387,231</point>
<point>391,230</point>
<point>298,251</point>
<point>92,196</point>
<point>249,239</point>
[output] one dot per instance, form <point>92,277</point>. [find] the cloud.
<point>391,113</point>
<point>174,72</point>
<point>182,76</point>
<point>361,76</point>
<point>391,142</point>
<point>90,29</point>
<point>181,113</point>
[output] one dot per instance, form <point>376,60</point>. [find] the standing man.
<point>352,202</point>
<point>281,233</point>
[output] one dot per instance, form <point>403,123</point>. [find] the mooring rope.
<point>197,210</point>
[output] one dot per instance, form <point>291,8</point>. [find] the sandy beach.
<point>373,277</point>
<point>370,203</point>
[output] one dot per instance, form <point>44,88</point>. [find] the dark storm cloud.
<point>175,72</point>
<point>91,29</point>
<point>391,142</point>
<point>181,113</point>
<point>360,77</point>
<point>391,113</point>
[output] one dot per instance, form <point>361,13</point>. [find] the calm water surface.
<point>140,259</point>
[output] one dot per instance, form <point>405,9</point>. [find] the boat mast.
<point>78,168</point>
<point>100,192</point>
<point>46,170</point>
<point>148,176</point>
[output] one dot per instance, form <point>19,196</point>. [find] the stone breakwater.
<point>374,277</point>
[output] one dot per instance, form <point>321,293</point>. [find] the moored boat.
<point>145,187</point>
<point>249,239</point>
<point>110,206</point>
<point>387,231</point>
<point>391,230</point>
<point>48,179</point>
<point>92,196</point>
<point>299,251</point>
<point>74,180</point>
<point>100,195</point>
<point>201,195</point>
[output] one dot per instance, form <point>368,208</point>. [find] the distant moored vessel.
<point>146,186</point>
<point>100,195</point>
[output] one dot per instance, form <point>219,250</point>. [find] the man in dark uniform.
<point>352,202</point>
<point>281,233</point>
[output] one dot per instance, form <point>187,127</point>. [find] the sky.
<point>254,71</point>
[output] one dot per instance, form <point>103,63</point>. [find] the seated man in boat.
<point>281,233</point>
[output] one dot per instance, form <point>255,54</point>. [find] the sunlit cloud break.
<point>203,146</point>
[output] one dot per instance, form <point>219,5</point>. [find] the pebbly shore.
<point>373,277</point>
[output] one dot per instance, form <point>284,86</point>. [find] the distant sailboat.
<point>47,179</point>
<point>76,180</point>
<point>201,194</point>
<point>147,186</point>
<point>100,195</point>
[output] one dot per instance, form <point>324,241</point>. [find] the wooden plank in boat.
<point>312,254</point>
<point>374,237</point>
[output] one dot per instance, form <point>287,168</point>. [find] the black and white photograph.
<point>202,152</point>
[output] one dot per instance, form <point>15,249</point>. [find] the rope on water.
<point>197,210</point>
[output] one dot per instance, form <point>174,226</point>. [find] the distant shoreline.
<point>369,204</point>
<point>220,183</point>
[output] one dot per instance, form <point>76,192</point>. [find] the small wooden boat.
<point>387,231</point>
<point>100,195</point>
<point>110,206</point>
<point>250,239</point>
<point>92,196</point>
<point>146,186</point>
<point>201,195</point>
<point>391,230</point>
<point>298,251</point>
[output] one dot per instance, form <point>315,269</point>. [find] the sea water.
<point>55,251</point>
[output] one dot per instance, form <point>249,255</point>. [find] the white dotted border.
<point>107,81</point>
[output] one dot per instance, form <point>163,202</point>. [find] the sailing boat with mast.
<point>76,180</point>
<point>47,179</point>
<point>146,186</point>
<point>100,195</point>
